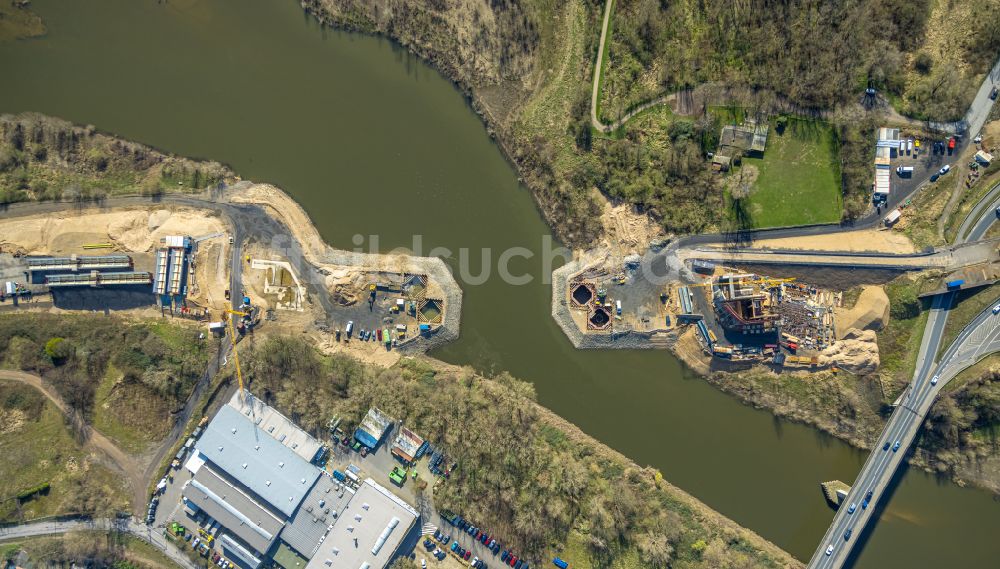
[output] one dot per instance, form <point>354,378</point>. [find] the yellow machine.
<point>232,337</point>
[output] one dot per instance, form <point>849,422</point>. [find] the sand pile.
<point>870,312</point>
<point>132,231</point>
<point>856,353</point>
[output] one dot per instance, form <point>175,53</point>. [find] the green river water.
<point>372,141</point>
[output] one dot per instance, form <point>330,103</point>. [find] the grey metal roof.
<point>276,425</point>
<point>306,529</point>
<point>236,511</point>
<point>268,468</point>
<point>368,532</point>
<point>236,552</point>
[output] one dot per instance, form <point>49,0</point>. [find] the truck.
<point>955,284</point>
<point>984,158</point>
<point>350,328</point>
<point>904,171</point>
<point>893,217</point>
<point>618,307</point>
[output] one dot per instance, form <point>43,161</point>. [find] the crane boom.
<point>236,355</point>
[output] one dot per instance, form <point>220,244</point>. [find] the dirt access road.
<point>129,465</point>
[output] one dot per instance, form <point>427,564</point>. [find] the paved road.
<point>975,227</point>
<point>130,526</point>
<point>977,340</point>
<point>948,258</point>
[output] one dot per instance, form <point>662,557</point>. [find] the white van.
<point>350,327</point>
<point>905,171</point>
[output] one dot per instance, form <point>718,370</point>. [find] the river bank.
<point>420,172</point>
<point>304,240</point>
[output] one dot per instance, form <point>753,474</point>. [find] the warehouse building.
<point>372,428</point>
<point>375,528</point>
<point>254,486</point>
<point>278,427</point>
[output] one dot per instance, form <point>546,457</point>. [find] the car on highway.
<point>998,212</point>
<point>847,534</point>
<point>829,549</point>
<point>934,379</point>
<point>851,509</point>
<point>885,446</point>
<point>934,177</point>
<point>996,309</point>
<point>944,169</point>
<point>895,446</point>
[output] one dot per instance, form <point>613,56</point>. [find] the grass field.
<point>799,177</point>
<point>37,447</point>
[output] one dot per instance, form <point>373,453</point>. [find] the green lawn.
<point>799,177</point>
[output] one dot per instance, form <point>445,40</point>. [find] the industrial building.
<point>369,533</point>
<point>408,446</point>
<point>278,427</point>
<point>253,477</point>
<point>372,428</point>
<point>741,308</point>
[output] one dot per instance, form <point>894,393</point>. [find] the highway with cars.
<point>980,337</point>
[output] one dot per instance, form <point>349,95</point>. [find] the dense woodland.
<point>964,423</point>
<point>817,54</point>
<point>517,473</point>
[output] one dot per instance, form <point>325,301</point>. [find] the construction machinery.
<point>232,337</point>
<point>765,282</point>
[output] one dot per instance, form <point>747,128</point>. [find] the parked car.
<point>454,547</point>
<point>467,555</point>
<point>944,169</point>
<point>934,177</point>
<point>503,556</point>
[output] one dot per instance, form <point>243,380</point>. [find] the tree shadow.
<point>741,226</point>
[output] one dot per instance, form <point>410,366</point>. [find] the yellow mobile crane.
<point>232,337</point>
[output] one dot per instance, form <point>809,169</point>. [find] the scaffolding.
<point>160,276</point>
<point>79,263</point>
<point>176,270</point>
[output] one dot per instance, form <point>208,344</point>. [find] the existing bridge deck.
<point>946,258</point>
